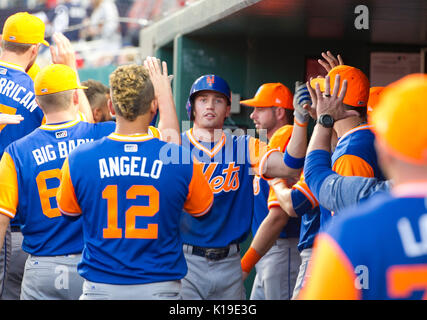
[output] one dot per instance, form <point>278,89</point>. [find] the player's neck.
<point>207,134</point>
<point>138,126</point>
<point>343,126</point>
<point>60,116</point>
<point>10,57</point>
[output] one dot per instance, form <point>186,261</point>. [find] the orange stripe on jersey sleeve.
<point>272,199</point>
<point>8,186</point>
<point>66,196</point>
<point>350,165</point>
<point>331,274</point>
<point>301,185</point>
<point>200,196</point>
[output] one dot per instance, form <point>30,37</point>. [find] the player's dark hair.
<point>55,101</point>
<point>289,115</point>
<point>362,111</point>
<point>18,48</point>
<point>96,93</point>
<point>132,91</point>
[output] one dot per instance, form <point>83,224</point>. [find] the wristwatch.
<point>326,120</point>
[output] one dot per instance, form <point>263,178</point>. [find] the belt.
<point>214,254</point>
<point>15,228</point>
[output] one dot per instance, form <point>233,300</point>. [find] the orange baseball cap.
<point>399,119</point>
<point>357,94</point>
<point>23,27</point>
<point>271,95</point>
<point>374,97</point>
<point>56,78</point>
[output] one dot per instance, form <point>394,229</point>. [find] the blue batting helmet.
<point>208,82</point>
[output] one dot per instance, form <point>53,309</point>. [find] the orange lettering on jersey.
<point>220,183</point>
<point>404,279</point>
<point>46,194</point>
<point>144,211</point>
<point>232,178</point>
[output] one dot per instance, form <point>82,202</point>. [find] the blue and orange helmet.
<point>208,82</point>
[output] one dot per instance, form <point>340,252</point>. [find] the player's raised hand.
<point>158,72</point>
<point>63,52</point>
<point>10,118</point>
<point>330,61</point>
<point>333,104</point>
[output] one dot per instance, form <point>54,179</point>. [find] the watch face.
<point>326,120</point>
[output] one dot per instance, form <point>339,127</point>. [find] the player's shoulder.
<point>26,142</point>
<point>365,219</point>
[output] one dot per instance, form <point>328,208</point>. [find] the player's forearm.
<point>276,168</point>
<point>168,119</point>
<point>269,230</point>
<point>320,139</point>
<point>297,146</point>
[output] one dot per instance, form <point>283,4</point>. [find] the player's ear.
<point>154,106</point>
<point>75,98</point>
<point>228,111</point>
<point>111,107</point>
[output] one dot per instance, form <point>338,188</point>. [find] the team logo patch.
<point>3,71</point>
<point>44,90</point>
<point>210,81</point>
<point>131,148</point>
<point>12,38</point>
<point>61,134</point>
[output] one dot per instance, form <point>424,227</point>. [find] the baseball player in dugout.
<point>211,244</point>
<point>30,174</point>
<point>129,200</point>
<point>354,154</point>
<point>22,36</point>
<point>395,254</point>
<point>277,270</point>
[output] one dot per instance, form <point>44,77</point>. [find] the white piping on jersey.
<point>53,127</point>
<point>7,213</point>
<point>11,65</point>
<point>273,204</point>
<point>362,127</point>
<point>211,153</point>
<point>312,200</point>
<point>130,138</point>
<point>263,161</point>
<point>410,189</point>
<point>68,213</point>
<point>204,212</point>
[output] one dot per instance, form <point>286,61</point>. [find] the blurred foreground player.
<point>393,247</point>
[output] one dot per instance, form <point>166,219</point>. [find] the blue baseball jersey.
<point>355,154</point>
<point>17,97</point>
<point>262,207</point>
<point>388,262</point>
<point>228,166</point>
<point>30,174</point>
<point>129,198</point>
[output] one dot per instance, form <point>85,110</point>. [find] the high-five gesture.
<point>330,61</point>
